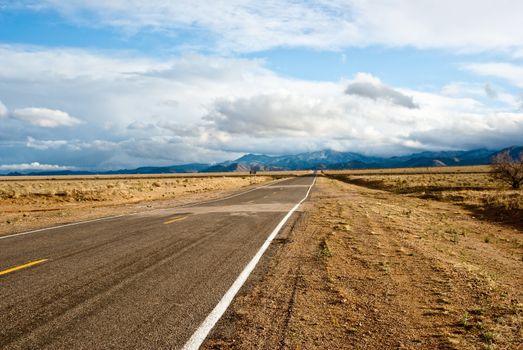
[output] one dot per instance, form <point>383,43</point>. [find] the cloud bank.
<point>142,111</point>
<point>32,166</point>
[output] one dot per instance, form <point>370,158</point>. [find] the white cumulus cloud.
<point>45,118</point>
<point>45,144</point>
<point>33,166</point>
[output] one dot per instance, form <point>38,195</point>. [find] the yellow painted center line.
<point>16,268</point>
<point>174,220</point>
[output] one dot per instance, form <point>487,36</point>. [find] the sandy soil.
<point>42,202</point>
<point>368,269</point>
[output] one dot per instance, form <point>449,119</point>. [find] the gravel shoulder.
<point>367,269</point>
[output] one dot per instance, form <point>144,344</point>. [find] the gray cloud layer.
<point>380,92</point>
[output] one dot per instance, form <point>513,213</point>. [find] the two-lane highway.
<point>144,281</point>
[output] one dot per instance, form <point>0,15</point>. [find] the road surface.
<point>142,281</point>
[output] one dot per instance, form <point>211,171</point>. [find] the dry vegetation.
<point>371,269</point>
<point>420,170</point>
<point>29,202</point>
<point>471,187</point>
<point>508,169</point>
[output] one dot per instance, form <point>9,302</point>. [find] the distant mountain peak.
<point>322,159</point>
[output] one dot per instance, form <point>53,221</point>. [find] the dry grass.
<point>27,203</point>
<point>40,191</point>
<point>151,176</point>
<point>419,170</point>
<point>476,190</point>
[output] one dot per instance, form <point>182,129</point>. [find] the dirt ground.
<point>44,202</point>
<point>369,269</point>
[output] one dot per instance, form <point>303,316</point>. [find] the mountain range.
<point>326,159</point>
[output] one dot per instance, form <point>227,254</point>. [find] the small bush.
<point>508,169</point>
<point>325,250</point>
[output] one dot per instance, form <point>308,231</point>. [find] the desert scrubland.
<point>472,169</point>
<point>470,187</point>
<point>32,202</point>
<point>430,260</point>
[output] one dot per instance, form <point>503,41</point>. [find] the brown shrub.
<point>508,169</point>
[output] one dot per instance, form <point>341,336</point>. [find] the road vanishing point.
<point>153,280</point>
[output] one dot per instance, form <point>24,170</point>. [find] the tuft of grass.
<point>325,250</point>
<point>465,321</point>
<point>487,337</point>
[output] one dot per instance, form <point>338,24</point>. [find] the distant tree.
<point>508,169</point>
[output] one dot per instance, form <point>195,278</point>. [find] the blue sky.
<point>110,84</point>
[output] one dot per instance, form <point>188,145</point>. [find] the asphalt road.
<point>142,281</point>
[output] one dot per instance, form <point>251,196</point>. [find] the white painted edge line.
<point>207,325</point>
<point>60,226</point>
